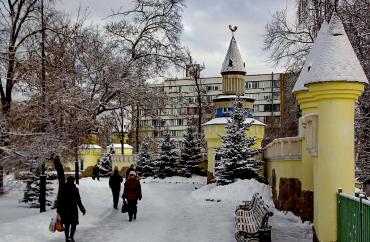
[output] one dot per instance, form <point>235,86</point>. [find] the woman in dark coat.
<point>115,185</point>
<point>132,192</point>
<point>67,208</point>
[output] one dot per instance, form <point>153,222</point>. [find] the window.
<point>192,99</point>
<point>276,95</point>
<point>266,84</point>
<point>255,96</point>
<point>252,85</point>
<point>174,89</point>
<point>276,83</point>
<point>276,108</point>
<point>266,96</point>
<point>267,108</point>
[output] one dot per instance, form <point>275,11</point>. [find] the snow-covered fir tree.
<point>32,189</point>
<point>105,163</point>
<point>235,158</point>
<point>190,154</point>
<point>168,158</point>
<point>144,164</point>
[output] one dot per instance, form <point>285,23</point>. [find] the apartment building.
<point>181,109</point>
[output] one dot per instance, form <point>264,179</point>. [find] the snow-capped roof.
<point>233,60</point>
<point>224,120</point>
<point>89,146</point>
<point>127,146</point>
<point>299,85</point>
<point>335,59</point>
<point>220,97</point>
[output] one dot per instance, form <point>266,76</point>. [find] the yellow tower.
<point>233,85</point>
<point>334,79</point>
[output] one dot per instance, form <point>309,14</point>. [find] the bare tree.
<point>148,39</point>
<point>17,24</point>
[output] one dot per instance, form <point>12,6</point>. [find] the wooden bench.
<point>251,221</point>
<point>247,204</point>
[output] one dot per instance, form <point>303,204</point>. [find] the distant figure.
<point>132,192</point>
<point>131,168</point>
<point>96,172</point>
<point>115,185</point>
<point>67,208</point>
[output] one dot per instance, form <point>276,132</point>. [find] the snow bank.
<point>236,192</point>
<point>10,183</point>
<point>285,225</point>
<point>177,179</point>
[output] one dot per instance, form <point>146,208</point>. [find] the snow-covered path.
<point>169,211</point>
<point>164,214</point>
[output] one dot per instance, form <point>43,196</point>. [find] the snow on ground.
<point>173,209</point>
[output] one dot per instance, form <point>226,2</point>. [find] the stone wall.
<point>292,198</point>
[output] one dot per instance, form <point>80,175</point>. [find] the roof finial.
<point>233,28</point>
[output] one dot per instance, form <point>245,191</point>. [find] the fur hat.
<point>132,173</point>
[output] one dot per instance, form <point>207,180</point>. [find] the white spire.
<point>334,58</point>
<point>299,85</point>
<point>233,61</point>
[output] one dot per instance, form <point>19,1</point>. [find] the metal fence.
<point>353,218</point>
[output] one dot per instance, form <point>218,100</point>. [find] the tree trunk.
<point>60,173</point>
<point>6,101</point>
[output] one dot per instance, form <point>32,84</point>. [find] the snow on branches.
<point>235,158</point>
<point>168,158</point>
<point>144,164</point>
<point>190,154</point>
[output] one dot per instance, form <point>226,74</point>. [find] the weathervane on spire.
<point>233,28</point>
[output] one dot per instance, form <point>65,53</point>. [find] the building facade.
<point>181,109</point>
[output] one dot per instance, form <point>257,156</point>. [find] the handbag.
<point>52,225</point>
<point>58,224</point>
<point>124,207</point>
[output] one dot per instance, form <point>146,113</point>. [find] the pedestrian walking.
<point>67,208</point>
<point>96,172</point>
<point>115,185</point>
<point>131,168</point>
<point>132,192</point>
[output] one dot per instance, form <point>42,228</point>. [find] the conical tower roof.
<point>335,59</point>
<point>299,85</point>
<point>233,60</point>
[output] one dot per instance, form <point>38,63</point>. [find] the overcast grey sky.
<point>206,31</point>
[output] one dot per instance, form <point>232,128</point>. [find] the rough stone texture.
<point>292,198</point>
<point>290,195</point>
<point>273,188</point>
<point>307,204</point>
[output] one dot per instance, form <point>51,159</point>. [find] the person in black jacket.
<point>96,172</point>
<point>67,208</point>
<point>115,185</point>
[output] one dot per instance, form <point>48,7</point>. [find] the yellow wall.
<point>335,166</point>
<point>90,157</point>
<point>214,132</point>
<point>248,105</point>
<point>284,168</point>
<point>233,84</point>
